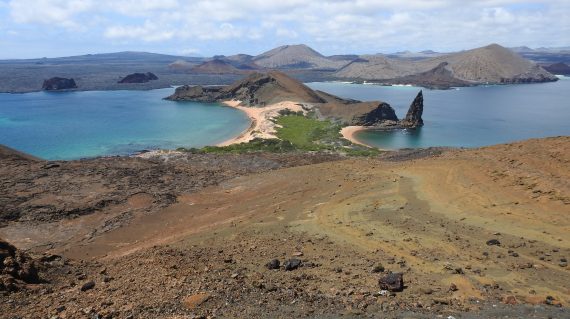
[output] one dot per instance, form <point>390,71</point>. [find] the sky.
<point>52,28</point>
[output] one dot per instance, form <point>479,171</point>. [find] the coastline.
<point>261,125</point>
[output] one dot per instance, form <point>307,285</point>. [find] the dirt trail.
<point>429,218</point>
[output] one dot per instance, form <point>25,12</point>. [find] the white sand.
<point>261,124</point>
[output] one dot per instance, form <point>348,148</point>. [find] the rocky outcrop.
<point>16,268</point>
<point>257,89</point>
<point>139,78</point>
<point>57,84</point>
<point>413,118</point>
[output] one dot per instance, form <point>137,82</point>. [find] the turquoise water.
<point>468,117</point>
<point>75,125</point>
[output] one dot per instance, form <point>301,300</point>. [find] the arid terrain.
<point>476,233</point>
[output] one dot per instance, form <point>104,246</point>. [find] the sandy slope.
<point>429,218</point>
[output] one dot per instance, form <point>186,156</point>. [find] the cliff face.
<point>139,78</point>
<point>57,83</point>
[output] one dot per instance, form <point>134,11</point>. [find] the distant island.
<point>492,64</point>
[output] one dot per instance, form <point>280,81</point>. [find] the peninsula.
<point>262,96</point>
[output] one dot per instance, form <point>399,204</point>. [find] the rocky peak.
<point>414,116</point>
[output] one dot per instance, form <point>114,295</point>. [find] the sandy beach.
<point>349,132</point>
<point>261,124</point>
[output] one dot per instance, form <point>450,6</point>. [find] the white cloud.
<point>354,25</point>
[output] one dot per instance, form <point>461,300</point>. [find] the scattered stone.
<point>392,282</point>
<point>292,264</point>
<point>493,242</point>
<point>297,254</point>
<point>273,264</point>
<point>88,285</point>
<point>453,287</point>
<point>563,264</point>
<point>378,268</point>
<point>426,290</point>
<point>509,300</point>
<point>194,301</point>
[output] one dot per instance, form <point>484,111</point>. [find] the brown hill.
<point>490,64</point>
<point>215,66</point>
<point>377,67</point>
<point>296,57</point>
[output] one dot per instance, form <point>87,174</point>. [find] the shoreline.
<point>261,120</point>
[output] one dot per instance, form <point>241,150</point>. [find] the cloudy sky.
<point>38,28</point>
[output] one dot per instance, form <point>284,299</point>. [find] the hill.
<point>215,66</point>
<point>489,64</point>
<point>296,57</point>
<point>558,68</point>
<point>493,64</point>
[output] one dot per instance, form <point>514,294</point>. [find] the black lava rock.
<point>88,285</point>
<point>274,264</point>
<point>493,242</point>
<point>392,282</point>
<point>292,264</point>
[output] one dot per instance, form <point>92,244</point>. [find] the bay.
<point>72,125</point>
<point>469,116</point>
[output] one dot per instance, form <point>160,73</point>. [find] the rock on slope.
<point>57,83</point>
<point>16,268</point>
<point>262,89</point>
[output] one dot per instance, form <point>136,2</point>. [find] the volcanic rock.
<point>292,264</point>
<point>493,242</point>
<point>414,116</point>
<point>57,83</point>
<point>139,78</point>
<point>274,264</point>
<point>392,282</point>
<point>16,268</point>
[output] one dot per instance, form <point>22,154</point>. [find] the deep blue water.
<point>468,117</point>
<point>75,125</point>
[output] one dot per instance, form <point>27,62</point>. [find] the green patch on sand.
<point>296,132</point>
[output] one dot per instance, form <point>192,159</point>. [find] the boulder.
<point>57,83</point>
<point>392,282</point>
<point>16,268</point>
<point>292,264</point>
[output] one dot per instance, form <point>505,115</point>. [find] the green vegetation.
<point>296,132</point>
